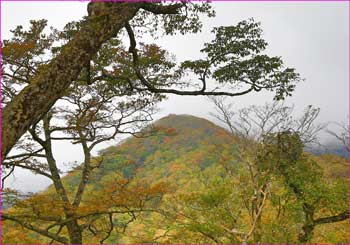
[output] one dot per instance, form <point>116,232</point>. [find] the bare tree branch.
<point>36,229</point>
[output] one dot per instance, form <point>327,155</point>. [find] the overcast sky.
<point>312,37</point>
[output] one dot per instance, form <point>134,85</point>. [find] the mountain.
<point>204,187</point>
<point>335,148</point>
<point>181,141</point>
<point>189,136</point>
<point>187,140</point>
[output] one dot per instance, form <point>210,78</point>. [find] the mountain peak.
<point>190,133</point>
<point>181,122</point>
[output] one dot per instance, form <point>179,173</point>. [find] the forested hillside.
<point>194,182</point>
<point>69,89</point>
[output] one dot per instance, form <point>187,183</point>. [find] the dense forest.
<point>181,179</point>
<point>196,184</point>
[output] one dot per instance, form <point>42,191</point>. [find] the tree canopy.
<point>235,58</point>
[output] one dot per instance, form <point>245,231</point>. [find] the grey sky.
<point>311,36</point>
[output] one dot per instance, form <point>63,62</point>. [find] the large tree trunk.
<point>74,232</point>
<point>53,79</point>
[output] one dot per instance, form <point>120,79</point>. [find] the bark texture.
<point>105,21</point>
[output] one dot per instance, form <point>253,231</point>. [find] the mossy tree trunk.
<point>53,79</point>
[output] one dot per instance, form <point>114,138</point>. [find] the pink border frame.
<point>141,0</point>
